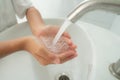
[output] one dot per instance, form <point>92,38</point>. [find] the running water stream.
<point>64,26</point>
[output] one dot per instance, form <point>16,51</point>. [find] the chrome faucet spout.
<point>91,5</point>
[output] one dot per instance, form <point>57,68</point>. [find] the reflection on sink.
<point>21,66</point>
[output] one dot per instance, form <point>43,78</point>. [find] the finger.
<point>73,46</point>
<point>62,56</point>
<point>52,58</point>
<point>68,58</point>
<point>65,34</point>
<point>41,60</point>
<point>46,54</point>
<point>68,41</point>
<point>42,52</point>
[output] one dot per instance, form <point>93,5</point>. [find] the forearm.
<point>35,20</point>
<point>10,46</point>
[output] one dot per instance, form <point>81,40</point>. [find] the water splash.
<point>60,47</point>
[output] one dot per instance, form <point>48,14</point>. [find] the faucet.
<point>91,5</point>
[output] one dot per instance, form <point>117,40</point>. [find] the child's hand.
<point>51,31</point>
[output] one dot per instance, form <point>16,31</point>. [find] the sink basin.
<point>22,66</point>
<point>97,49</point>
<point>107,50</point>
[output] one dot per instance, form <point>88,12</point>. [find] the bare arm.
<point>35,20</point>
<point>8,47</point>
<point>33,46</point>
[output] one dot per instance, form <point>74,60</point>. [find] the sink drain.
<point>63,76</point>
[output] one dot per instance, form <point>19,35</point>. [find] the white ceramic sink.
<point>22,66</point>
<point>97,49</point>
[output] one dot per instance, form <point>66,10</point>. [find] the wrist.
<point>31,44</point>
<point>23,42</point>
